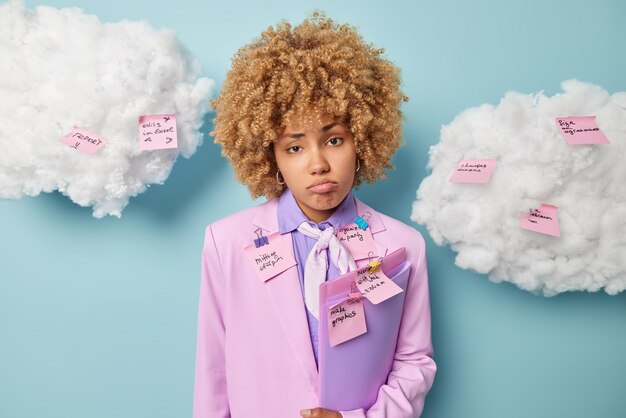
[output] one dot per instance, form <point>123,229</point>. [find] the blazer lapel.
<point>286,297</point>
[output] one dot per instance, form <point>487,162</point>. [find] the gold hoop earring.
<point>277,180</point>
<point>358,165</point>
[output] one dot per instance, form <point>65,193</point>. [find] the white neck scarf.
<point>317,263</point>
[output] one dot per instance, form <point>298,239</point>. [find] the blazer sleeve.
<point>413,369</point>
<point>210,399</point>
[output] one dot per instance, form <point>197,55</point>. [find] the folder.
<point>351,373</point>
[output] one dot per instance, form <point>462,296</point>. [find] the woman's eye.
<point>293,149</point>
<point>335,141</point>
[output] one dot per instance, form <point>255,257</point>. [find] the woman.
<point>305,114</point>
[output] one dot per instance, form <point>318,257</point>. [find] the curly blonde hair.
<point>316,65</point>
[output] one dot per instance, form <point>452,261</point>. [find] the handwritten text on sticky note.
<point>84,141</point>
<point>360,243</point>
<point>376,287</point>
<point>157,132</point>
<point>271,259</point>
<point>346,321</point>
<point>579,130</point>
<point>473,171</point>
<point>543,220</point>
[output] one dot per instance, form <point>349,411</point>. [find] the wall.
<point>98,317</point>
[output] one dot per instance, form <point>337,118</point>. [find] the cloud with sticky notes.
<point>552,216</point>
<point>81,101</point>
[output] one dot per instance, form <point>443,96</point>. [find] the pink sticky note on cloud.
<point>359,243</point>
<point>157,132</point>
<point>473,171</point>
<point>270,259</point>
<point>543,220</point>
<point>346,321</point>
<point>579,130</point>
<point>376,287</point>
<point>84,141</point>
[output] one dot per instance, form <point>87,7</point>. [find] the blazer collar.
<point>375,221</point>
<point>265,216</point>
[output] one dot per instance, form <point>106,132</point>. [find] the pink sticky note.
<point>473,171</point>
<point>84,141</point>
<point>543,220</point>
<point>578,130</point>
<point>376,287</point>
<point>346,321</point>
<point>271,259</point>
<point>157,132</point>
<point>360,243</point>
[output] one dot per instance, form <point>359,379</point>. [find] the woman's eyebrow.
<point>294,135</point>
<point>329,126</point>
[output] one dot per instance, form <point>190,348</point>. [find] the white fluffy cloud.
<point>62,68</point>
<point>534,165</point>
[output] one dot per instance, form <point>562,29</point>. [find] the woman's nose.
<point>318,163</point>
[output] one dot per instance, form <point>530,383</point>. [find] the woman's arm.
<point>413,369</point>
<point>210,399</point>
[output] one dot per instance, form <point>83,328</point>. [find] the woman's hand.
<point>320,413</point>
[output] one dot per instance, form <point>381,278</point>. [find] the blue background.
<point>98,317</point>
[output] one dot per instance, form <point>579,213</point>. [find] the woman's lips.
<point>323,188</point>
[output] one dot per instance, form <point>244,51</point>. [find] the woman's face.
<point>317,158</point>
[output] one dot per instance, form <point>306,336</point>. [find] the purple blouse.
<point>290,216</point>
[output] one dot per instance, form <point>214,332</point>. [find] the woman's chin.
<point>326,201</point>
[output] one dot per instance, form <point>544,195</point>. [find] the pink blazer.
<point>254,356</point>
